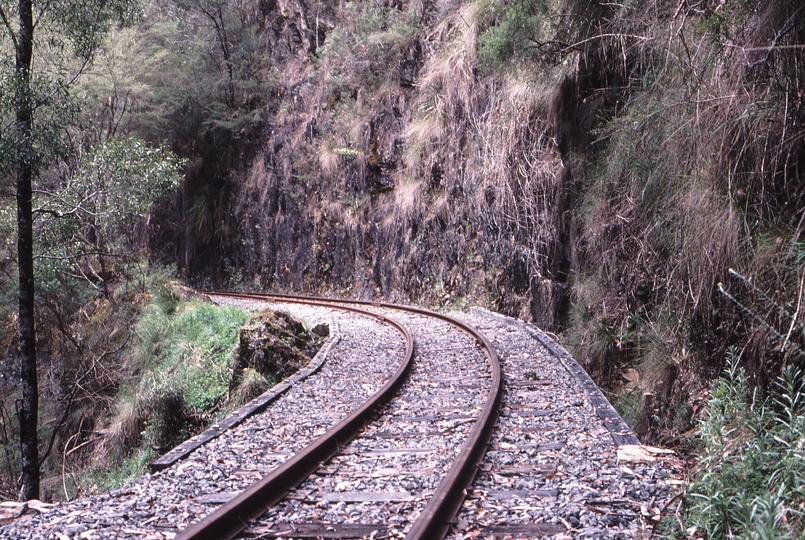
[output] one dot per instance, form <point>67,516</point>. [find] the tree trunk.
<point>29,444</point>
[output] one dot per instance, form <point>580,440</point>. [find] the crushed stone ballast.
<point>464,447</point>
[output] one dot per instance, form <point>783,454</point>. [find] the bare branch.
<point>99,252</point>
<point>76,207</point>
<point>41,13</point>
<point>767,48</point>
<point>71,397</point>
<point>85,62</point>
<point>54,213</point>
<point>11,33</point>
<point>83,277</point>
<point>602,36</point>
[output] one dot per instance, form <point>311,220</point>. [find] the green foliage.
<point>105,479</point>
<point>49,137</point>
<point>189,68</point>
<point>751,483</point>
<point>717,23</point>
<point>368,53</point>
<point>94,214</point>
<point>8,229</point>
<point>188,348</point>
<point>196,74</point>
<point>252,384</point>
<point>514,33</point>
<point>120,179</point>
<point>88,338</point>
<point>67,37</point>
<point>180,373</point>
<point>629,406</point>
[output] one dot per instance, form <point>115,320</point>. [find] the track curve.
<point>231,518</point>
<point>554,466</point>
<point>433,521</point>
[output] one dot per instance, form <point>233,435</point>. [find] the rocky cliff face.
<point>590,166</point>
<point>391,167</point>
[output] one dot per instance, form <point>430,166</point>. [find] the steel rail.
<point>434,521</point>
<point>232,518</point>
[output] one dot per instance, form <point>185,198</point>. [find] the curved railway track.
<point>385,435</point>
<point>433,520</point>
<point>160,505</point>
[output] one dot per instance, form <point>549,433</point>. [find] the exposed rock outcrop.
<point>275,344</point>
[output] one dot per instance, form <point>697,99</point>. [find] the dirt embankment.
<point>275,345</point>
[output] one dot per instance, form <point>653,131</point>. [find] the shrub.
<point>751,482</point>
<point>516,33</point>
<point>180,375</point>
<point>192,345</point>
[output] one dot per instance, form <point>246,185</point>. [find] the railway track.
<point>160,505</point>
<point>383,440</point>
<point>433,465</point>
<point>559,463</point>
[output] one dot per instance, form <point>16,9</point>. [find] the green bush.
<point>751,483</point>
<point>514,34</point>
<point>180,375</point>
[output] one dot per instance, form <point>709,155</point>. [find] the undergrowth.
<point>751,483</point>
<point>180,376</point>
<point>189,348</point>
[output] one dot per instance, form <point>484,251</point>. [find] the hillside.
<point>596,168</point>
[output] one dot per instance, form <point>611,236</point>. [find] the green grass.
<point>180,374</point>
<point>115,477</point>
<point>189,347</point>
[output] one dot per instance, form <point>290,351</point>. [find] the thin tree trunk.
<point>29,444</point>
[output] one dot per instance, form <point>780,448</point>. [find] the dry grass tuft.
<point>408,197</point>
<point>446,84</point>
<point>329,160</point>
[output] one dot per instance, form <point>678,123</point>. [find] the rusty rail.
<point>233,517</point>
<point>434,521</point>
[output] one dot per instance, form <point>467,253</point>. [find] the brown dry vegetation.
<point>598,176</point>
<point>698,172</point>
<point>389,168</point>
<point>82,366</point>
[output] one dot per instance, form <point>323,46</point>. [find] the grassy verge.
<point>179,376</point>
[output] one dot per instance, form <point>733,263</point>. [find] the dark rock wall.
<point>347,198</point>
